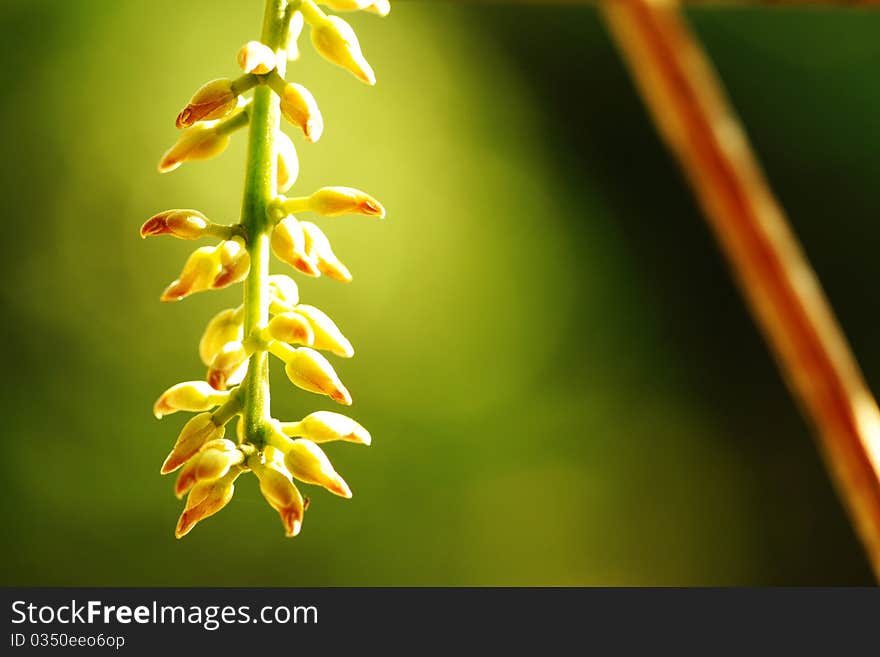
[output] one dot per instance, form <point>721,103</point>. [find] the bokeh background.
<point>563,386</point>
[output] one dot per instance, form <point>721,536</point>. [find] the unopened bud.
<point>380,7</point>
<point>308,462</point>
<point>327,335</point>
<point>182,224</point>
<point>309,370</point>
<point>334,201</point>
<point>288,243</point>
<point>324,426</point>
<point>199,142</point>
<point>336,41</point>
<point>235,263</point>
<point>256,57</point>
<point>195,433</point>
<point>282,494</point>
<point>299,106</point>
<point>225,326</point>
<point>288,162</point>
<point>283,292</point>
<point>293,328</point>
<point>190,472</point>
<point>213,100</point>
<point>226,363</point>
<point>318,248</point>
<point>198,273</point>
<point>216,459</point>
<point>188,396</point>
<point>204,500</point>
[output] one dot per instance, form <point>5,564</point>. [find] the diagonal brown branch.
<point>693,115</point>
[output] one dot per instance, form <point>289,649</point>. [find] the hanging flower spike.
<point>236,342</point>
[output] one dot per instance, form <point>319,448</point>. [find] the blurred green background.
<point>563,386</point>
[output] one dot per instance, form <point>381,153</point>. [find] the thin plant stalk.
<point>259,190</point>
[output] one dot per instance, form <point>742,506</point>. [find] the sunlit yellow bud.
<point>214,100</point>
<point>199,142</point>
<point>216,459</point>
<point>282,495</point>
<point>256,57</point>
<point>327,335</point>
<point>309,370</point>
<point>381,7</point>
<point>288,243</point>
<point>198,274</point>
<point>195,433</point>
<point>235,262</point>
<point>188,396</point>
<point>318,248</point>
<point>204,500</point>
<point>324,426</point>
<point>187,477</point>
<point>334,201</point>
<point>288,162</point>
<point>182,224</point>
<point>283,292</point>
<point>226,362</point>
<point>296,27</point>
<point>336,41</point>
<point>225,326</point>
<point>299,106</point>
<point>308,462</point>
<point>293,328</point>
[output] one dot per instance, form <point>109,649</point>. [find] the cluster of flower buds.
<point>208,459</point>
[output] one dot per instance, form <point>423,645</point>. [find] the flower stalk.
<point>237,342</point>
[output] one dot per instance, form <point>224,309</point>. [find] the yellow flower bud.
<point>189,473</point>
<point>381,7</point>
<point>288,243</point>
<point>327,335</point>
<point>204,500</point>
<point>283,292</point>
<point>308,462</point>
<point>182,224</point>
<point>216,459</point>
<point>336,41</point>
<point>324,427</point>
<point>225,326</point>
<point>213,100</point>
<point>288,162</point>
<point>281,493</point>
<point>188,396</point>
<point>334,201</point>
<point>227,362</point>
<point>210,267</point>
<point>297,22</point>
<point>235,263</point>
<point>309,370</point>
<point>199,272</point>
<point>318,248</point>
<point>299,106</point>
<point>293,328</point>
<point>256,57</point>
<point>195,433</point>
<point>199,142</point>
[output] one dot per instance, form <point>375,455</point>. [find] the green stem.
<point>259,189</point>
